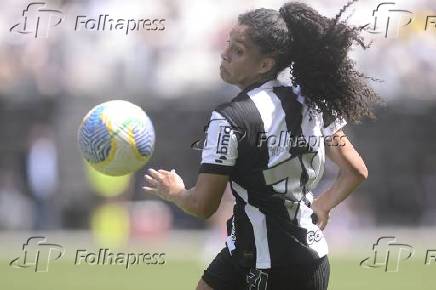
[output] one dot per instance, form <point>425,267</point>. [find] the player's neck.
<point>255,83</point>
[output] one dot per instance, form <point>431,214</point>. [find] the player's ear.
<point>266,65</point>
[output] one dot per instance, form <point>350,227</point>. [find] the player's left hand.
<point>166,184</point>
<point>323,214</point>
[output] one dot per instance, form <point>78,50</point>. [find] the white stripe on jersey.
<point>258,222</point>
<point>270,108</point>
<point>221,144</point>
<point>273,116</point>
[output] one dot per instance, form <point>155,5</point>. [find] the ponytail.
<point>316,49</point>
<point>320,64</point>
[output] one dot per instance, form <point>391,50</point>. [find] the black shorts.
<point>224,274</point>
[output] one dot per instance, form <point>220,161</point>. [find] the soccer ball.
<point>116,137</point>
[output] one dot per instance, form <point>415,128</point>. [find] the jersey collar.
<point>268,83</point>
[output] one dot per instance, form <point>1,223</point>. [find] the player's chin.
<point>225,75</point>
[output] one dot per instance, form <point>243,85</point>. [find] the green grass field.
<point>346,274</point>
<point>186,253</point>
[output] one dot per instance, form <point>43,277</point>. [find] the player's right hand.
<point>165,184</point>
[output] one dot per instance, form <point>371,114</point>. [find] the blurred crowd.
<point>48,83</point>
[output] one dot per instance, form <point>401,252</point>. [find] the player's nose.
<point>225,55</point>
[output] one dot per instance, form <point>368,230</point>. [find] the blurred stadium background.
<point>47,84</point>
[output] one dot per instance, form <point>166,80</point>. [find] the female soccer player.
<point>270,144</point>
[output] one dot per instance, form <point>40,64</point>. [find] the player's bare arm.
<point>201,201</point>
<point>352,172</point>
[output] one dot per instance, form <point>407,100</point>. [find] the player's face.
<point>241,61</point>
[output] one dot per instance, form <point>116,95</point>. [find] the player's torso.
<point>280,148</point>
<point>280,159</point>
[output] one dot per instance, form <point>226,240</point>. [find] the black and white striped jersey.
<point>272,146</point>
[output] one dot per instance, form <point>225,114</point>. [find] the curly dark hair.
<point>316,49</point>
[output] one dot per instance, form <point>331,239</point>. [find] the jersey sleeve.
<point>220,149</point>
<point>333,126</point>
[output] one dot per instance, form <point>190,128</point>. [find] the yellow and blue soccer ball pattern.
<point>116,137</point>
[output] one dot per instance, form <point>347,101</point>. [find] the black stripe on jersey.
<point>293,114</point>
<point>215,169</point>
<point>242,113</point>
<point>245,251</point>
<point>293,117</point>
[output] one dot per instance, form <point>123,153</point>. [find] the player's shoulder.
<point>233,103</point>
<point>235,110</point>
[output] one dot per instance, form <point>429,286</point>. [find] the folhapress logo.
<point>388,254</point>
<point>38,254</point>
<point>223,137</point>
<point>38,20</point>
